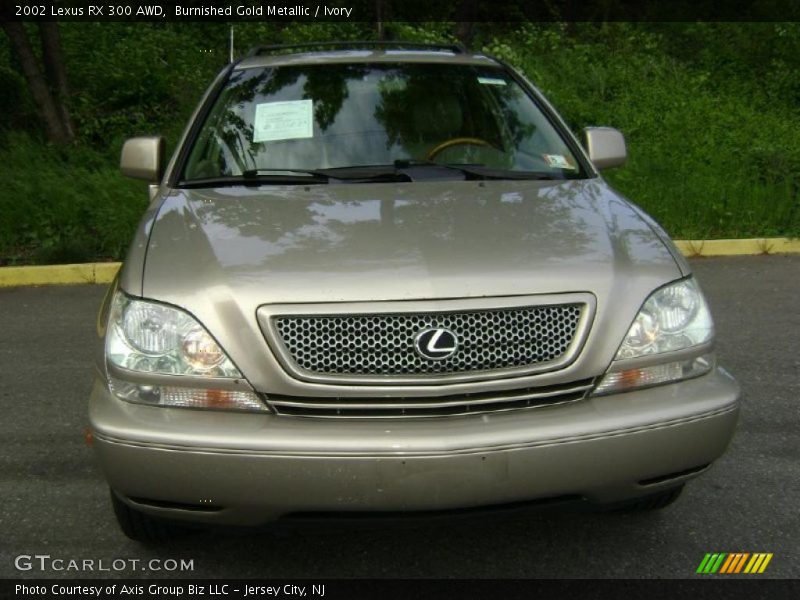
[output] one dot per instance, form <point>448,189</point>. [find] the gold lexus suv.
<point>386,278</point>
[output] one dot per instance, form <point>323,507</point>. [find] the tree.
<point>466,15</point>
<point>49,90</point>
<point>381,8</point>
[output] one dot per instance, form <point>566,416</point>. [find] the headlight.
<point>675,317</point>
<point>152,338</point>
<point>156,338</point>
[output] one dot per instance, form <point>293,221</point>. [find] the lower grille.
<point>176,505</point>
<point>508,508</point>
<point>461,404</point>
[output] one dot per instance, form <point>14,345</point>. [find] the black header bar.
<point>711,588</point>
<point>400,10</point>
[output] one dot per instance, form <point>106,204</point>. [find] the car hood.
<point>336,243</point>
<point>223,253</point>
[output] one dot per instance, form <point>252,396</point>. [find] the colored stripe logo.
<point>732,563</point>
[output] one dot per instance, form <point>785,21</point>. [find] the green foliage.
<point>130,78</point>
<point>707,158</point>
<point>710,112</point>
<point>440,32</point>
<point>64,206</point>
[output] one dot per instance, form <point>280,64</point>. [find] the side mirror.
<point>606,147</point>
<point>143,158</point>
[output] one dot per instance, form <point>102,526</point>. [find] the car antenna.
<point>231,45</point>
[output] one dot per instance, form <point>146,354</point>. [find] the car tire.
<point>652,502</point>
<point>141,527</point>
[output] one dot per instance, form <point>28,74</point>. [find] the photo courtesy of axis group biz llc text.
<point>168,590</point>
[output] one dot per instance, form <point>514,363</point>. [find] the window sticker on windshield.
<point>283,121</point>
<point>491,81</point>
<point>558,161</point>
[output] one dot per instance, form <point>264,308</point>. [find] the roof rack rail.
<point>259,50</point>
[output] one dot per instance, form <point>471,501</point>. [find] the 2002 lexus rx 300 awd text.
<point>388,278</point>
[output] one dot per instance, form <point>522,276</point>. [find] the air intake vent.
<point>461,404</point>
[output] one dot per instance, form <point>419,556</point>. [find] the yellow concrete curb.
<point>105,272</point>
<point>697,248</point>
<point>58,274</point>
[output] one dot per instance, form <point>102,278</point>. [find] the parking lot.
<point>56,503</point>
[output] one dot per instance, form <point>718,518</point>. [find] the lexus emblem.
<point>436,343</point>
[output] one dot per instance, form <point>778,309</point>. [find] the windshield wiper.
<point>422,170</point>
<point>258,173</point>
<point>399,171</point>
<point>475,170</point>
<point>365,174</point>
<point>251,177</point>
<point>490,173</point>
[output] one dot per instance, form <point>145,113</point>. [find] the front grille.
<point>383,344</point>
<point>460,404</point>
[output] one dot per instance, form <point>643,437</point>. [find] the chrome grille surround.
<point>498,337</point>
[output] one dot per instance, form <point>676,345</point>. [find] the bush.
<point>705,159</point>
<point>64,206</point>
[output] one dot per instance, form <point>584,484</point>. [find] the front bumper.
<point>247,469</point>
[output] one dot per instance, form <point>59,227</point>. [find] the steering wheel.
<point>457,141</point>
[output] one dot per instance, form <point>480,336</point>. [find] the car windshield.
<point>334,116</point>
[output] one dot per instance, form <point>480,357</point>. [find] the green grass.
<point>701,204</point>
<point>64,207</point>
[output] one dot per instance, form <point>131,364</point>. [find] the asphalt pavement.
<point>55,502</point>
